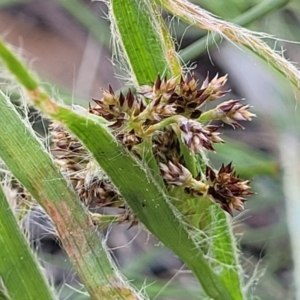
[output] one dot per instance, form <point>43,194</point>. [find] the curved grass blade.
<point>19,269</point>
<point>30,163</point>
<point>258,11</point>
<point>199,17</point>
<point>141,40</point>
<point>217,240</point>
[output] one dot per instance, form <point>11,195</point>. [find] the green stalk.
<point>143,40</point>
<point>217,226</point>
<point>168,44</point>
<point>258,11</point>
<point>15,66</point>
<point>224,251</point>
<point>29,162</point>
<point>220,248</point>
<point>19,269</point>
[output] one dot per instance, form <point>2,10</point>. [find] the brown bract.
<point>213,89</point>
<point>74,161</point>
<point>226,188</point>
<point>230,112</point>
<point>196,136</point>
<point>176,174</point>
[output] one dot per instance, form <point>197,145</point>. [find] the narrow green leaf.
<point>17,68</point>
<point>19,269</point>
<point>172,59</point>
<point>220,247</point>
<point>142,38</point>
<point>224,251</point>
<point>29,162</point>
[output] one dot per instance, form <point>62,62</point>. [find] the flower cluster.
<point>226,188</point>
<point>223,186</point>
<point>73,160</point>
<point>170,115</point>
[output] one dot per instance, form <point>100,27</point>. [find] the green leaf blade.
<point>19,269</point>
<point>30,163</point>
<point>17,68</point>
<point>141,35</point>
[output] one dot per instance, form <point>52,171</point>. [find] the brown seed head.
<point>175,173</point>
<point>162,88</point>
<point>212,89</point>
<point>196,136</point>
<point>75,162</point>
<point>166,145</point>
<point>230,112</point>
<point>226,188</point>
<point>188,98</point>
<point>157,110</point>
